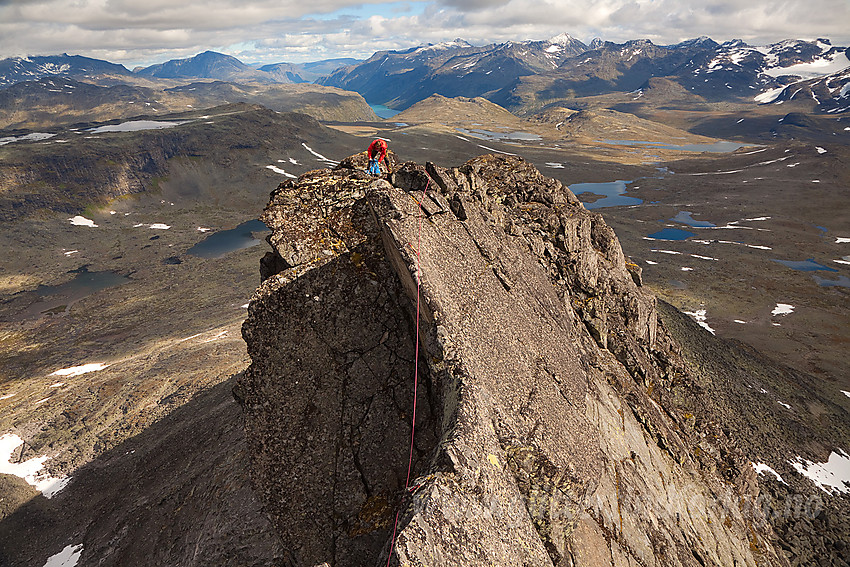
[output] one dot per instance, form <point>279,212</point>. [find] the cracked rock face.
<point>545,433</point>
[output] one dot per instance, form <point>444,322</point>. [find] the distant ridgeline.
<point>522,76</point>
<point>564,417</point>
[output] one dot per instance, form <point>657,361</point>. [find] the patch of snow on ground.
<point>7,396</point>
<point>651,263</point>
<point>495,150</point>
<point>294,161</point>
<point>220,335</point>
<point>782,309</point>
<point>817,68</point>
<point>78,370</point>
<point>686,269</point>
<point>831,476</point>
<point>703,257</point>
<point>700,317</point>
<point>82,221</point>
<point>280,171</point>
<point>769,96</point>
<point>319,156</point>
<point>555,165</point>
<point>842,262</point>
<point>820,150</point>
<point>57,385</point>
<point>762,468</point>
<point>845,392</point>
<point>69,252</point>
<point>740,322</point>
<point>203,229</point>
<point>840,240</point>
<point>28,470</point>
<point>783,404</point>
<point>159,226</point>
<point>68,557</point>
<point>461,138</point>
<point>245,306</point>
<point>665,251</point>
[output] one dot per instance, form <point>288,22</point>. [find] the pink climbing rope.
<point>415,368</point>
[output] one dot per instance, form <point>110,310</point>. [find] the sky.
<point>141,33</point>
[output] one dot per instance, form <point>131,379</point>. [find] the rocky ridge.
<point>550,428</point>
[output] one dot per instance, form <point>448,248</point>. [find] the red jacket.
<point>377,147</point>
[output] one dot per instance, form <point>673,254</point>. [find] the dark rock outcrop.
<point>547,429</point>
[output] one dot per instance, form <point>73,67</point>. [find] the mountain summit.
<point>558,420</point>
<point>206,65</point>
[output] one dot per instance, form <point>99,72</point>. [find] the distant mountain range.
<point>206,65</point>
<point>528,76</point>
<point>525,77</point>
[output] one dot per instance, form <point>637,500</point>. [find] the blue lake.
<point>805,265</point>
<point>224,242</point>
<point>135,126</point>
<point>685,217</point>
<point>383,111</point>
<point>60,298</point>
<point>613,194</point>
<point>842,281</point>
<point>716,147</point>
<point>491,135</point>
<point>671,234</point>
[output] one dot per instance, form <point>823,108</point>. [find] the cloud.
<point>133,32</point>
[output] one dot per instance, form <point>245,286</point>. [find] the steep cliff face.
<point>547,432</point>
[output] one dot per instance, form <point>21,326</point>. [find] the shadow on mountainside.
<point>176,494</point>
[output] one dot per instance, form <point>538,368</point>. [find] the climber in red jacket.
<point>377,153</point>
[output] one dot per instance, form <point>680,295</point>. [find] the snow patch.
<point>841,240</point>
<point>79,370</point>
<point>831,476</point>
<point>762,468</point>
<point>204,229</point>
<point>820,150</point>
<point>769,96</point>
<point>495,150</point>
<point>319,156</point>
<point>782,309</point>
<point>68,557</point>
<point>82,221</point>
<point>845,392</point>
<point>700,316</point>
<point>69,252</point>
<point>686,269</point>
<point>28,470</point>
<point>280,171</point>
<point>783,404</point>
<point>555,165</point>
<point>159,226</point>
<point>651,263</point>
<point>740,322</point>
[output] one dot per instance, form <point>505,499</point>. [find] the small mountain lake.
<point>684,217</point>
<point>384,111</point>
<point>671,234</point>
<point>55,299</point>
<point>224,242</point>
<point>135,126</point>
<point>491,135</point>
<point>721,146</point>
<point>613,194</point>
<point>805,265</point>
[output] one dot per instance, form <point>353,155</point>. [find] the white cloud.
<point>131,32</point>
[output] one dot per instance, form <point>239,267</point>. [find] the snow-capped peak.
<point>562,39</point>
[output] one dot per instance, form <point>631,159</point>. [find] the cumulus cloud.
<point>132,32</point>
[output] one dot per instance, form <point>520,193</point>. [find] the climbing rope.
<point>415,367</point>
